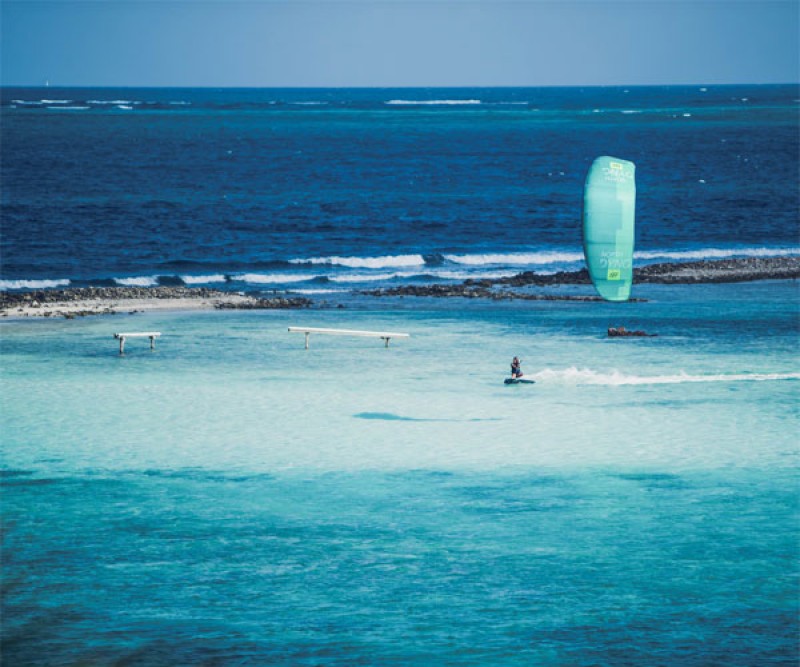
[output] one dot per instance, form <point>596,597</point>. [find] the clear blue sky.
<point>398,42</point>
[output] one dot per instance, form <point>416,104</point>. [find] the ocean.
<point>339,189</point>
<point>231,498</point>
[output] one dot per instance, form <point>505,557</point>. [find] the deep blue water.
<point>231,498</point>
<point>254,188</point>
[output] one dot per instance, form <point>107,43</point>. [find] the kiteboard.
<point>609,213</point>
<point>518,381</point>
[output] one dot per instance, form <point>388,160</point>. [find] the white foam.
<point>271,278</point>
<point>75,108</point>
<point>32,284</point>
<point>464,275</point>
<point>112,102</point>
<point>56,101</point>
<point>615,378</point>
<point>535,258</point>
<point>366,277</point>
<point>717,253</point>
<point>383,276</point>
<point>203,280</point>
<point>435,273</point>
<point>432,102</point>
<point>365,262</point>
<point>522,258</point>
<point>137,281</point>
<point>316,291</point>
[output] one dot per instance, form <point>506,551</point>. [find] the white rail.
<point>384,335</point>
<point>152,335</point>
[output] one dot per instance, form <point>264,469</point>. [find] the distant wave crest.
<point>432,102</point>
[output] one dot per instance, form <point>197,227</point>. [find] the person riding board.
<point>516,370</point>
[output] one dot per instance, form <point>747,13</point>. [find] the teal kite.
<point>609,213</point>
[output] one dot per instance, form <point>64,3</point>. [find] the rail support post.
<point>385,336</point>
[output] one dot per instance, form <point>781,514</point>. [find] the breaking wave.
<point>32,284</point>
<point>205,280</point>
<point>516,258</point>
<point>137,281</point>
<point>389,261</point>
<point>376,269</point>
<point>271,278</point>
<point>715,253</point>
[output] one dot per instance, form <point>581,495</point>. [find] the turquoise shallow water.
<point>232,498</point>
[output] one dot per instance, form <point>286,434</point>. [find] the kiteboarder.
<point>516,370</point>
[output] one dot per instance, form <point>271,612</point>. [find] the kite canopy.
<point>609,212</point>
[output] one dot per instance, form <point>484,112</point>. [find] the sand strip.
<point>78,302</point>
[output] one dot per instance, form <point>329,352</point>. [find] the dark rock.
<point>706,271</point>
<point>618,332</point>
<point>266,304</point>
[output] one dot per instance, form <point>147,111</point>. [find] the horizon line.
<point>398,87</point>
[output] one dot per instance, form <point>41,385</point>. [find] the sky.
<point>334,43</point>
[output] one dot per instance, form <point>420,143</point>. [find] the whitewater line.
<point>615,378</point>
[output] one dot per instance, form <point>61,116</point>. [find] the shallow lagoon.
<point>232,497</point>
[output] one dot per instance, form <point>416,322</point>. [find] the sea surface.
<point>231,498</point>
<point>338,189</point>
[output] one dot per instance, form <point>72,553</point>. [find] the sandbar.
<point>82,301</point>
